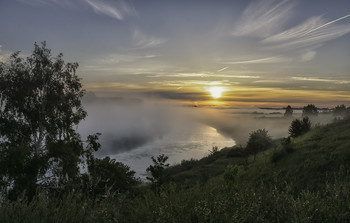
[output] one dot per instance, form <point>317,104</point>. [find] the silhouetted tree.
<point>288,112</point>
<point>40,105</point>
<point>258,141</point>
<point>157,170</point>
<point>299,127</point>
<point>340,110</point>
<point>107,176</point>
<point>310,110</point>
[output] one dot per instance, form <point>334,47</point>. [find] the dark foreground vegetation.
<point>49,174</point>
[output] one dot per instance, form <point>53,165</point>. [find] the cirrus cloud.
<point>115,9</point>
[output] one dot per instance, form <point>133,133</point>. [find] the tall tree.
<point>40,105</point>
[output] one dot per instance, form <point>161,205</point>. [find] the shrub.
<point>278,155</point>
<point>310,110</point>
<point>259,140</point>
<point>237,151</point>
<point>299,127</point>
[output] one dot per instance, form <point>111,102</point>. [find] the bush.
<point>259,141</point>
<point>299,127</point>
<point>237,151</point>
<point>310,110</point>
<point>278,155</point>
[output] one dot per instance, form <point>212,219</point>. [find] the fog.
<point>133,130</point>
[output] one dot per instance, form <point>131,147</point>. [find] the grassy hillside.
<point>306,180</point>
<point>309,161</point>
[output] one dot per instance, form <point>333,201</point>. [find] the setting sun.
<point>216,92</point>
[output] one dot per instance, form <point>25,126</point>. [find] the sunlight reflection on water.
<point>178,145</point>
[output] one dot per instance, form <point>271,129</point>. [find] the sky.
<point>224,53</point>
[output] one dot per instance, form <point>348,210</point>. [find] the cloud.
<point>309,55</point>
<point>115,58</point>
<point>314,31</point>
<point>265,60</point>
<point>4,55</point>
<point>142,40</point>
<point>316,79</point>
<point>263,18</point>
<point>222,69</point>
<point>266,20</point>
<point>117,9</point>
<point>175,95</point>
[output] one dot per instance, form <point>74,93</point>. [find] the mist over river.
<point>179,144</point>
<point>134,130</point>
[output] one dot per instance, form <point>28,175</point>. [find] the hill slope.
<point>306,180</point>
<point>308,161</point>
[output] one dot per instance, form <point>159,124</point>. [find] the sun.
<point>216,92</point>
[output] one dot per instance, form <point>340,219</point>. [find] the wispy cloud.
<point>142,40</point>
<point>314,31</point>
<point>265,60</point>
<point>192,83</point>
<point>117,9</point>
<point>263,18</point>
<point>316,79</point>
<point>266,21</point>
<point>114,8</point>
<point>307,56</point>
<point>222,69</point>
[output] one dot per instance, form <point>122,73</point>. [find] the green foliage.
<point>230,176</point>
<point>237,151</point>
<point>213,151</point>
<point>340,110</point>
<point>157,170</point>
<point>310,110</point>
<point>107,176</point>
<point>40,105</point>
<point>280,153</point>
<point>299,127</point>
<point>258,141</point>
<point>73,207</point>
<point>211,203</point>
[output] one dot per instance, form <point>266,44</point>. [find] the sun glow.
<point>216,92</point>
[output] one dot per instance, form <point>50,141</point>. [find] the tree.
<point>340,110</point>
<point>157,170</point>
<point>288,112</point>
<point>258,141</point>
<point>299,127</point>
<point>107,176</point>
<point>40,105</point>
<point>310,110</point>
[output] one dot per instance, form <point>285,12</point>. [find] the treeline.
<point>312,110</point>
